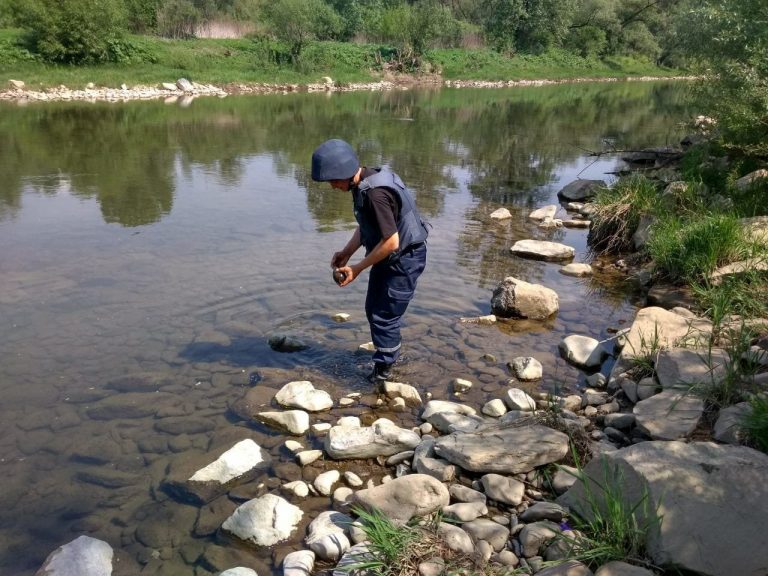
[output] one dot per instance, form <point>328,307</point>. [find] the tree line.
<point>726,40</point>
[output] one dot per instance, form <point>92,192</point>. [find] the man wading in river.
<point>390,228</point>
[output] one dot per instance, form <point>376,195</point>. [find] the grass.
<point>755,423</point>
<point>151,60</point>
<point>609,527</point>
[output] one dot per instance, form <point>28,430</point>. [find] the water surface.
<point>148,251</point>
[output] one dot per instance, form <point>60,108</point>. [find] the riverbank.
<point>155,67</point>
<point>182,90</point>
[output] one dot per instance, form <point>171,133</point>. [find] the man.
<point>394,236</point>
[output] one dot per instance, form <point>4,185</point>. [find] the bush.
<point>178,19</point>
<point>755,424</point>
<point>75,31</point>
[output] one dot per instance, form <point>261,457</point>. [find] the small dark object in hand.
<point>338,276</point>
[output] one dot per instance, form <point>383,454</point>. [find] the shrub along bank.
<point>150,60</point>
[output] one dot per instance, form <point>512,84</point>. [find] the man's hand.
<point>350,273</point>
<point>339,259</point>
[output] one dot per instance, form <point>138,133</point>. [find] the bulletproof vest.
<point>410,227</point>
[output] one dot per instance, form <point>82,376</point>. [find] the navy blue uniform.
<point>392,282</point>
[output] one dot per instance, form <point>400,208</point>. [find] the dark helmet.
<point>334,160</point>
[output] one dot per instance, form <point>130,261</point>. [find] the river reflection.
<point>166,244</point>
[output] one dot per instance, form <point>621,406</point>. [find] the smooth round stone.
<point>344,402</point>
<point>352,479</point>
<point>308,456</point>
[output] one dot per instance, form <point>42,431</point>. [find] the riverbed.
<point>150,249</point>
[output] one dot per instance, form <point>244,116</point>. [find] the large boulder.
<point>510,450</point>
<point>655,328</point>
<point>579,190</point>
<point>264,521</point>
<point>83,556</point>
<point>704,503</point>
<point>403,498</point>
<point>381,439</point>
<point>669,415</point>
<point>542,250</point>
<point>514,298</point>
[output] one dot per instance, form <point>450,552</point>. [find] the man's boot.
<point>380,373</point>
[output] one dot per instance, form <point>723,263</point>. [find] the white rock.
<point>583,351</point>
<point>380,439</point>
<point>308,456</point>
<point>293,446</point>
<point>235,462</point>
<point>527,368</point>
<point>341,317</point>
<point>408,393</point>
<point>300,563</point>
<point>264,521</point>
<point>436,406</point>
<point>302,394</point>
<point>494,408</point>
<point>544,212</point>
<point>576,269</point>
<point>239,571</point>
<point>517,399</point>
<point>83,556</point>
<point>367,347</point>
<point>327,535</point>
<point>349,422</point>
<point>460,385</point>
<point>294,421</point>
<point>541,249</point>
<point>325,481</point>
<point>501,214</point>
<point>321,427</point>
<point>297,487</point>
<point>352,479</point>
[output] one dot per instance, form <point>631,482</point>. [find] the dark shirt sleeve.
<point>385,209</point>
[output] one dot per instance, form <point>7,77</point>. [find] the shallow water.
<point>148,251</point>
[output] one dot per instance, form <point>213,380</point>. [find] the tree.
<point>729,38</point>
<point>296,22</point>
<point>75,31</point>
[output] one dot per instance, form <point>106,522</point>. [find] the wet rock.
<point>302,394</point>
<point>404,498</point>
<point>405,391</point>
<point>286,343</point>
<point>237,465</point>
<point>264,521</point>
<point>297,488</point>
<point>461,385</point>
<point>517,399</point>
<point>210,516</point>
<point>300,563</point>
<point>501,214</point>
<point>354,557</point>
<point>526,369</point>
<point>494,408</point>
<point>306,457</point>
<point>448,422</point>
<point>239,571</point>
<point>503,450</point>
<point>327,536</point>
<point>580,189</point>
<point>381,439</point>
<point>583,351</point>
<point>669,415</point>
<point>503,489</point>
<point>701,491</point>
<point>544,212</point>
<point>542,250</point>
<point>575,269</point>
<point>325,481</point>
<point>107,478</point>
<point>185,425</point>
<point>146,382</point>
<point>438,406</point>
<point>130,405</point>
<point>292,421</point>
<point>83,556</point>
<point>352,479</point>
<point>514,298</point>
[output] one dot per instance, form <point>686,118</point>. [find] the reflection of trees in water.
<point>510,142</point>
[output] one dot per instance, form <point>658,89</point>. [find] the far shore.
<point>182,90</point>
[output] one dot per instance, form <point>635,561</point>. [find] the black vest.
<point>410,227</point>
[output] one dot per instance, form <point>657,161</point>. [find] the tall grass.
<point>755,423</point>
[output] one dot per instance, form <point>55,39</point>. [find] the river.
<point>151,246</point>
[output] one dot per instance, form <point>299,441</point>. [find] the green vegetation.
<point>755,423</point>
<point>609,526</point>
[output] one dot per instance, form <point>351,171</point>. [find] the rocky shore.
<point>502,475</point>
<point>184,91</point>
